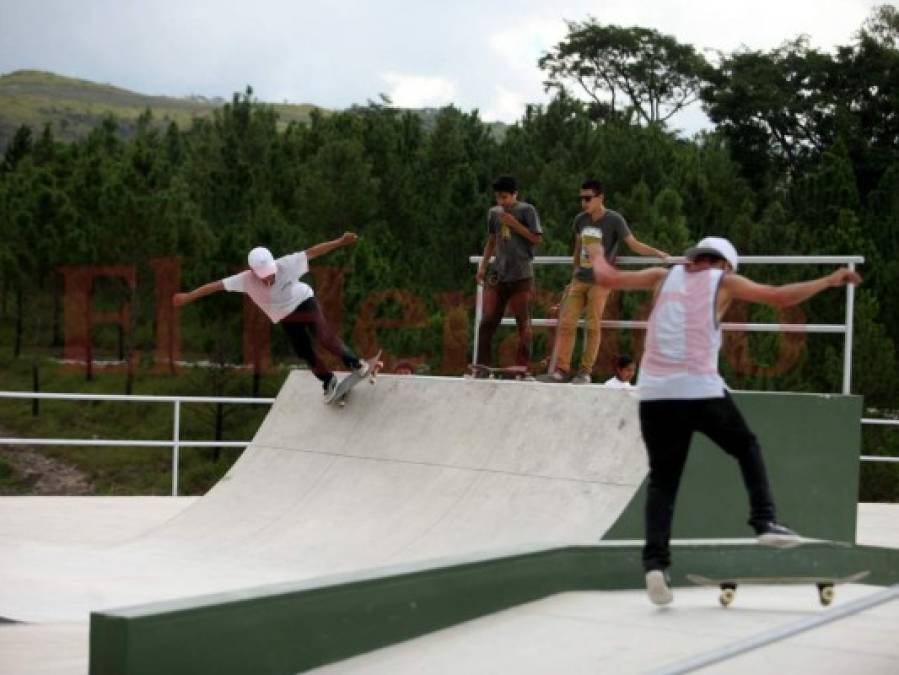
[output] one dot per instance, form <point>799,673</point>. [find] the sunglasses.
<point>587,198</point>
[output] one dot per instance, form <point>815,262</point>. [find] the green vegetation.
<point>124,470</point>
<point>781,174</point>
<point>75,107</point>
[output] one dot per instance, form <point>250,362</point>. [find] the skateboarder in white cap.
<point>275,287</point>
<point>681,391</point>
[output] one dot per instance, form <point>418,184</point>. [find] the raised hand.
<point>844,276</point>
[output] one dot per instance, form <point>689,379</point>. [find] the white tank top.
<point>680,360</point>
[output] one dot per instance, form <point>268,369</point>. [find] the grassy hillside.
<point>74,107</point>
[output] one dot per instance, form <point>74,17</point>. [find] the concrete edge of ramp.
<point>295,627</point>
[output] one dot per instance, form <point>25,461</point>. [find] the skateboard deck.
<point>728,586</point>
<point>548,378</point>
<point>510,373</point>
<point>346,384</point>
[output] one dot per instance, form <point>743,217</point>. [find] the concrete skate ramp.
<point>412,469</point>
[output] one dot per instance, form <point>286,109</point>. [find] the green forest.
<point>803,159</point>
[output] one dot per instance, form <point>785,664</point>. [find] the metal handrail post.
<point>176,437</point>
<point>847,344</point>
<point>478,313</point>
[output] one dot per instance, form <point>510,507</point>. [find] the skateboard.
<point>346,384</point>
<point>729,585</point>
<point>510,373</point>
<point>548,378</point>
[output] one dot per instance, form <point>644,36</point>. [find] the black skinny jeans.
<point>305,325</point>
<point>668,427</point>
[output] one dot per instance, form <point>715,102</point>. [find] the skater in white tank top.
<point>681,390</point>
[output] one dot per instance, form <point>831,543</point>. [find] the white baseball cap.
<point>261,262</point>
<point>717,246</point>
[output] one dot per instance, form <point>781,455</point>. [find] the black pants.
<point>305,325</point>
<point>667,428</point>
<point>517,295</point>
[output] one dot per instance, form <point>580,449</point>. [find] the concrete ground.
<point>573,632</point>
<point>620,632</point>
<point>323,490</point>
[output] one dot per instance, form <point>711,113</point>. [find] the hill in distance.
<point>74,107</point>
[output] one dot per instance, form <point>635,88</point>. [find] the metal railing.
<point>880,458</point>
<point>176,443</point>
<point>845,328</point>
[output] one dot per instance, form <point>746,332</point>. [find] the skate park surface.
<point>412,470</point>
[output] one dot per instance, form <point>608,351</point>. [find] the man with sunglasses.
<point>513,230</point>
<point>594,225</point>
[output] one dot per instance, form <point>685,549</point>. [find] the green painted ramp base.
<point>811,444</point>
<point>289,628</point>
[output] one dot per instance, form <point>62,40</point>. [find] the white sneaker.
<point>776,535</point>
<point>331,389</point>
<point>658,588</point>
<point>582,377</point>
<point>363,369</point>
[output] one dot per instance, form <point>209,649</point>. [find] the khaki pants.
<point>580,296</point>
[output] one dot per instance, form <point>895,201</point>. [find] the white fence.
<point>175,444</point>
<point>844,328</point>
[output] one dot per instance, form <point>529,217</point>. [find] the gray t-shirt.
<point>513,252</point>
<point>611,229</point>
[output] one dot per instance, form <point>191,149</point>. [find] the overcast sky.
<point>336,53</point>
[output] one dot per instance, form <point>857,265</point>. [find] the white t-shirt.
<point>283,296</point>
<point>617,384</point>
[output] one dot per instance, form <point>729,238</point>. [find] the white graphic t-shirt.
<point>283,296</point>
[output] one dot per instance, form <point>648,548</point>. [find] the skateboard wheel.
<point>825,595</point>
<point>727,596</point>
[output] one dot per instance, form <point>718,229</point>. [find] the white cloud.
<point>472,53</point>
<point>513,52</point>
<point>419,91</point>
<point>506,106</point>
<point>523,42</point>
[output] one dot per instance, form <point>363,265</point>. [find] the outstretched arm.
<point>741,288</point>
<point>207,289</point>
<point>326,247</point>
<point>638,246</point>
<point>610,277</point>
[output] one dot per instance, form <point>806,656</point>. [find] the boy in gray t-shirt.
<point>513,230</point>
<point>594,225</point>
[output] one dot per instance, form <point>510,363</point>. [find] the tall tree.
<point>771,106</point>
<point>634,73</point>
